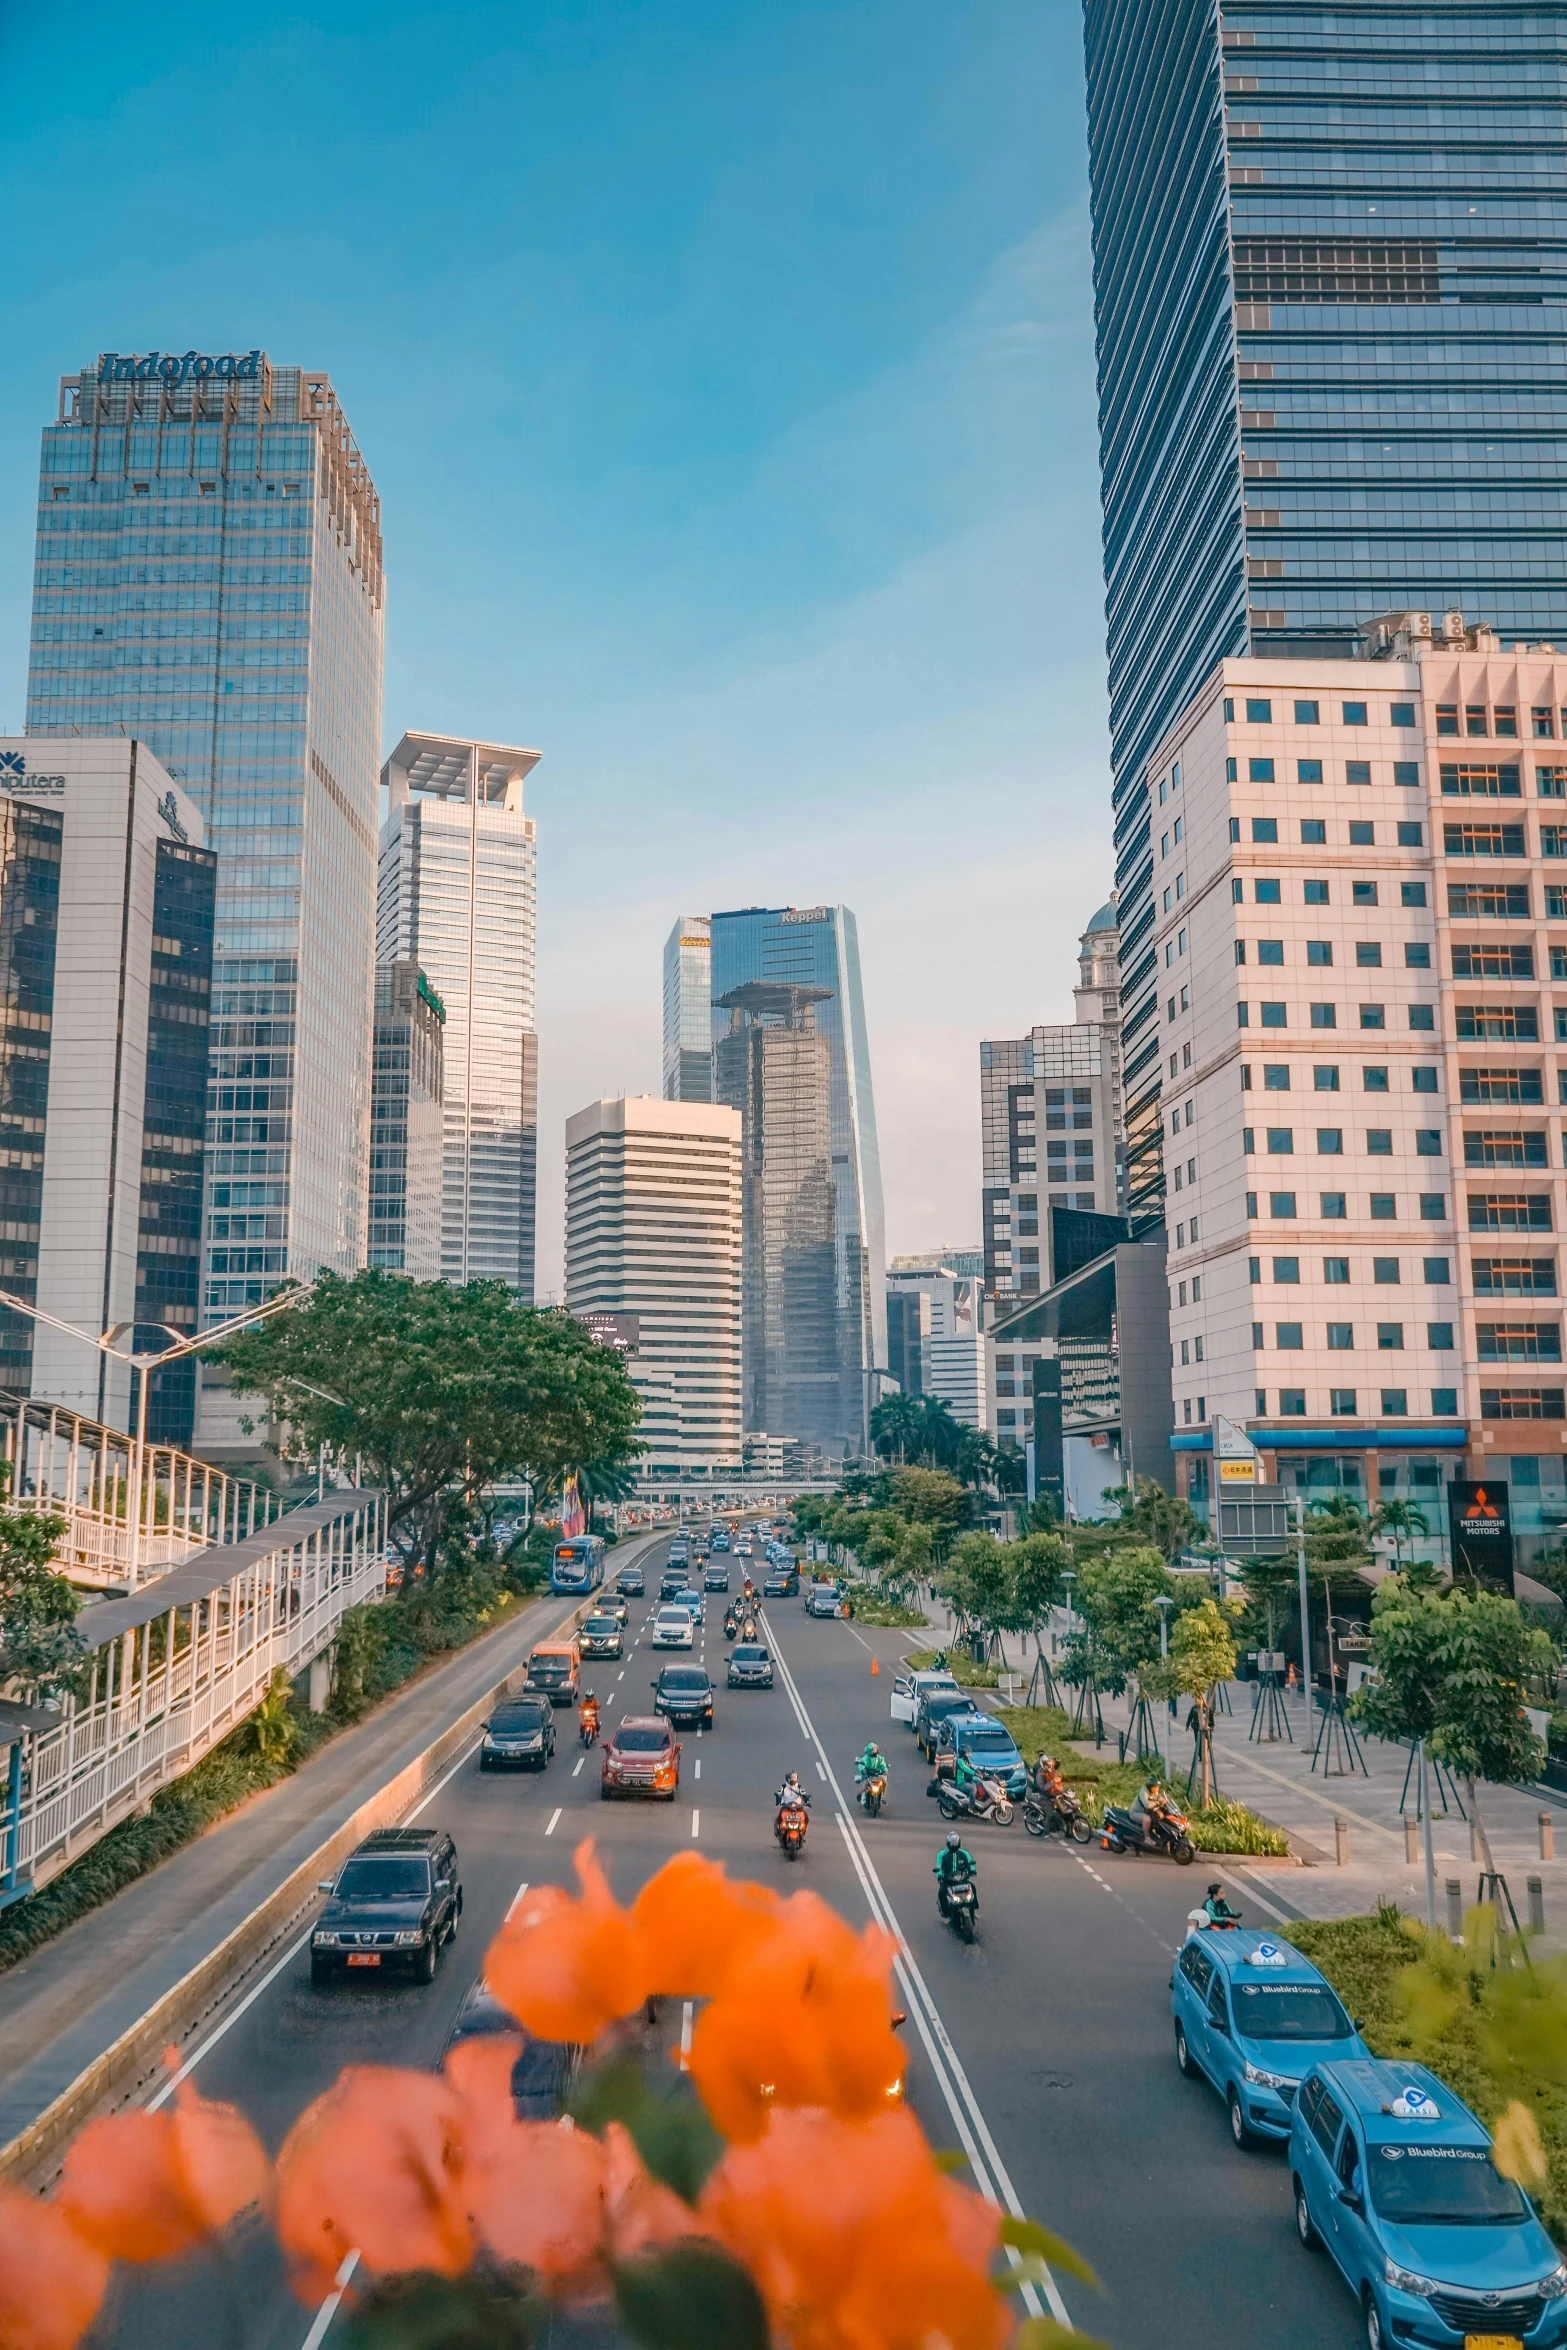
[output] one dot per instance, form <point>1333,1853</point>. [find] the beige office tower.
<point>653,1253</point>
<point>458,896</point>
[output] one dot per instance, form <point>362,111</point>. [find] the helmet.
<point>954,1841</point>
<point>1049,1761</point>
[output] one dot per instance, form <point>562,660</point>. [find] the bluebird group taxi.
<point>1394,2175</point>
<point>1253,2015</point>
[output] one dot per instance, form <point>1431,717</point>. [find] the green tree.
<point>977,1580</point>
<point>930,1497</point>
<point>1161,1521</point>
<point>1038,1563</point>
<point>1409,1632</point>
<point>1115,1596</point>
<point>440,1390</point>
<point>42,1656</point>
<point>1202,1656</point>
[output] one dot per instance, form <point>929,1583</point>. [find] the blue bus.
<point>578,1564</point>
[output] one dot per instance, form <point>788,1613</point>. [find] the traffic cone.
<point>875,1667</point>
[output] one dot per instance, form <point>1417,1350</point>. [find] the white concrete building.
<point>653,1232</point>
<point>1359,930</point>
<point>458,896</point>
<point>107,895</point>
<point>940,1319</point>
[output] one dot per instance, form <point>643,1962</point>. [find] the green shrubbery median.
<point>1218,1826</point>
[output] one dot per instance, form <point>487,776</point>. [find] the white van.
<point>907,1689</point>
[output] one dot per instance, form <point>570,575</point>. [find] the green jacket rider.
<point>953,1862</point>
<point>871,1764</point>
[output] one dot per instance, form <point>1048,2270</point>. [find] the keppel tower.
<point>1328,272</point>
<point>208,580</point>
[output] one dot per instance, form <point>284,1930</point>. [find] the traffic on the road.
<point>1100,2058</point>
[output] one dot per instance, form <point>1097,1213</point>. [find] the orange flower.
<point>375,2166</point>
<point>143,2186</point>
<point>567,1968</point>
<point>643,2213</point>
<point>808,2022</point>
<point>882,2253</point>
<point>697,1928</point>
<point>52,2282</point>
<point>534,2190</point>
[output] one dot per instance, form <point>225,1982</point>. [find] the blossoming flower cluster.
<point>793,2056</point>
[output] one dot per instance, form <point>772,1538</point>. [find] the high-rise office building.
<point>818,947</point>
<point>407,1139</point>
<point>688,1026</point>
<point>939,1312</point>
<point>106,921</point>
<point>775,1067</point>
<point>1328,287</point>
<point>208,579</point>
<point>458,896</point>
<point>1050,1123</point>
<point>653,1255</point>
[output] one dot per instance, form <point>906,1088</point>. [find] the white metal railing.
<point>85,1472</point>
<point>176,1666</point>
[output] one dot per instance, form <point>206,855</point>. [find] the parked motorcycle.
<point>1065,1813</point>
<point>959,1903</point>
<point>789,1828</point>
<point>987,1801</point>
<point>1125,1831</point>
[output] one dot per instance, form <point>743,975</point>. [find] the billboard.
<point>1482,1532</point>
<point>621,1331</point>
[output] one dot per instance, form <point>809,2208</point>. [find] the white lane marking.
<point>990,2173</point>
<point>577,1767</point>
<point>1251,1889</point>
<point>699,1765</point>
<point>554,1816</point>
<point>620,1676</point>
<point>425,1802</point>
<point>821,1774</point>
<point>329,2307</point>
<point>687,2015</point>
<point>696,1822</point>
<point>516,1897</point>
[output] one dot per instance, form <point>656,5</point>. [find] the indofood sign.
<point>175,368</point>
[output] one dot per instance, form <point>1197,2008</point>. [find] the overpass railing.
<point>178,1664</point>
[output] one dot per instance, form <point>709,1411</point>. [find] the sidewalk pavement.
<point>67,2001</point>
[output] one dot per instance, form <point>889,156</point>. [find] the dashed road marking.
<point>696,1822</point>
<point>699,1766</point>
<point>577,1769</point>
<point>554,1816</point>
<point>517,1896</point>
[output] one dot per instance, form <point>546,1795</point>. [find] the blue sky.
<point>727,376</point>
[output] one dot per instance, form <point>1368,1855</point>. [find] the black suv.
<point>519,1734</point>
<point>631,1583</point>
<point>396,1899</point>
<point>544,2070</point>
<point>672,1580</point>
<point>684,1694</point>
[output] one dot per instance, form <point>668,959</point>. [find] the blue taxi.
<point>1394,2175</point>
<point>1253,2015</point>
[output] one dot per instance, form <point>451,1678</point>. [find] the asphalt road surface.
<point>1044,2051</point>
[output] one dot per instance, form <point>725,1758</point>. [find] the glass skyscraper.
<point>818,947</point>
<point>459,897</point>
<point>1328,271</point>
<point>208,579</point>
<point>688,996</point>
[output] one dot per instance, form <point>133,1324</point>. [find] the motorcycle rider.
<point>790,1793</point>
<point>588,1717</point>
<point>1218,1909</point>
<point>1047,1784</point>
<point>1152,1808</point>
<point>872,1764</point>
<point>954,1863</point>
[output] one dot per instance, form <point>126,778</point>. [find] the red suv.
<point>641,1757</point>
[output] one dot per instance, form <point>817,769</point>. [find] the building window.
<point>1444,1402</point>
<point>1286,1271</point>
<point>1324,1016</point>
<point>1407,773</point>
<point>1270,950</point>
<point>1265,831</point>
<point>1401,714</point>
<point>1259,713</point>
<point>1334,1208</point>
<point>1390,1337</point>
<point>1276,1076</point>
<point>1363,893</point>
<point>1412,893</point>
<point>1305,713</point>
<point>1341,1337</point>
<point>1357,771</point>
<point>1324,1078</point>
<point>1379,1142</point>
<point>1354,713</point>
<point>1315,893</point>
<point>1439,1337</point>
<point>1330,1141</point>
<point>1319,951</point>
<point>1435,1272</point>
<point>1281,1203</point>
<point>1384,1271</point>
<point>1287,1337</point>
<point>1274,1016</point>
<point>1368,954</point>
<point>1374,1079</point>
<point>1428,1142</point>
<point>1308,771</point>
<point>1259,770</point>
<point>1313,832</point>
<point>1292,1403</point>
<point>1342,1403</point>
<point>1267,893</point>
<point>1383,1207</point>
<point>1395,1403</point>
<point>1521,1403</point>
<point>1373,1016</point>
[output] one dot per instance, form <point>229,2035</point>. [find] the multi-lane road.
<point>1044,2051</point>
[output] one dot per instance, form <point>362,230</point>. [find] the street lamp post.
<point>1164,1603</point>
<point>1069,1577</point>
<point>142,1364</point>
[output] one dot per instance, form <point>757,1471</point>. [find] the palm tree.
<point>1403,1521</point>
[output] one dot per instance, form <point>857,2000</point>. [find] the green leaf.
<point>446,2313</point>
<point>1043,2333</point>
<point>692,2297</point>
<point>672,2133</point>
<point>1026,2235</point>
<point>951,2159</point>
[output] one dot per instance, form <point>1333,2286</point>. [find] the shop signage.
<point>1482,1530</point>
<point>175,368</point>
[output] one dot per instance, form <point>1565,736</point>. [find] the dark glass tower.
<point>1329,253</point>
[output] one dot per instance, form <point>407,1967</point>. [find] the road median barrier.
<point>131,2062</point>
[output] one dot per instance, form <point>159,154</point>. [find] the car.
<point>610,1603</point>
<point>544,2071</point>
<point>554,1669</point>
<point>988,1744</point>
<point>1252,2015</point>
<point>908,1688</point>
<point>716,1579</point>
<point>743,1548</point>
<point>641,1757</point>
<point>934,1704</point>
<point>692,1601</point>
<point>683,1694</point>
<point>673,1579</point>
<point>631,1583</point>
<point>750,1666</point>
<point>600,1636</point>
<point>520,1734</point>
<point>391,1907</point>
<point>782,1583</point>
<point>1393,2173</point>
<point>822,1600</point>
<point>678,1553</point>
<point>672,1628</point>
<point>720,1538</point>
